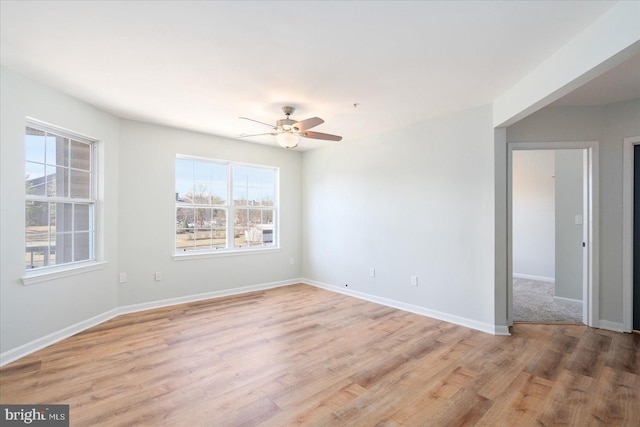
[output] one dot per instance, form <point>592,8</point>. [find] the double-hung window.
<point>222,206</point>
<point>60,187</point>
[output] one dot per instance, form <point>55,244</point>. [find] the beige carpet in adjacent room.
<point>533,302</point>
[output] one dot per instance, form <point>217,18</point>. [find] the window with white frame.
<point>223,205</point>
<point>60,199</point>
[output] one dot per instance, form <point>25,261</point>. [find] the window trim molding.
<point>65,270</point>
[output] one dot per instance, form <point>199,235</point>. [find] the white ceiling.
<point>200,65</point>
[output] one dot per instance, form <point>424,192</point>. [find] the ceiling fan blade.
<point>243,135</point>
<point>308,123</point>
<point>320,135</point>
<point>262,123</point>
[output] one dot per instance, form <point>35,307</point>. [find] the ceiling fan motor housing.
<point>286,125</point>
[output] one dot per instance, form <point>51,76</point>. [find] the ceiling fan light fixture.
<point>287,139</point>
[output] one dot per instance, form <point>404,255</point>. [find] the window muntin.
<point>59,198</point>
<point>224,206</point>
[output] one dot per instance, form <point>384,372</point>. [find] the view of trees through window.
<point>223,205</point>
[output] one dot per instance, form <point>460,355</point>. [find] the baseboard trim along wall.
<point>569,300</point>
<point>40,343</point>
<point>457,320</point>
<point>611,326</point>
<point>207,295</point>
<point>532,277</point>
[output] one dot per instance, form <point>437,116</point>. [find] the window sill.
<point>202,255</point>
<point>58,273</point>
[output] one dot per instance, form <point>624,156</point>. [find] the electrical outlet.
<point>123,277</point>
<point>158,276</point>
<point>372,272</point>
<point>414,280</point>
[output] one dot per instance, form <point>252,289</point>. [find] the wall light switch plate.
<point>414,280</point>
<point>123,277</point>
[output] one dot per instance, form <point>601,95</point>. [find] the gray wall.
<point>414,201</point>
<point>147,217</point>
<point>34,311</point>
<point>135,214</point>
<point>609,125</point>
<point>568,234</point>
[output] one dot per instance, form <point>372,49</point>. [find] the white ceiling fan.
<point>288,131</point>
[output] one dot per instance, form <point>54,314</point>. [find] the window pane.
<point>203,218</point>
<point>81,246</point>
<point>184,179</point>
<point>80,184</point>
<point>37,217</point>
<point>80,155</point>
<point>34,181</point>
<point>260,177</point>
<point>34,145</point>
<point>240,196</point>
<point>202,171</point>
<point>218,195</point>
<point>219,228</point>
<point>63,248</point>
<point>254,227</point>
<point>185,240</point>
<point>57,150</point>
<point>241,175</point>
<point>200,195</point>
<point>37,251</point>
<point>61,182</point>
<point>260,196</point>
<point>81,218</point>
<point>52,180</point>
<point>184,217</point>
<point>52,249</point>
<point>203,239</point>
<point>184,189</point>
<point>63,217</point>
<point>184,170</point>
<point>185,229</point>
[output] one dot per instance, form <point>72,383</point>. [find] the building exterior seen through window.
<point>222,206</point>
<point>59,197</point>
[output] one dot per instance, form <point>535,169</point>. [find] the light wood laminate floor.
<point>299,355</point>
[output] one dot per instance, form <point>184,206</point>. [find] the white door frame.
<point>591,300</point>
<point>627,232</point>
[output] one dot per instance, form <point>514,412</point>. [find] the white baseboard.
<point>536,278</point>
<point>611,326</point>
<point>462,321</point>
<point>569,300</point>
<point>40,343</point>
<point>133,308</point>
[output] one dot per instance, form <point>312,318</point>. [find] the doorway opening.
<point>552,232</point>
